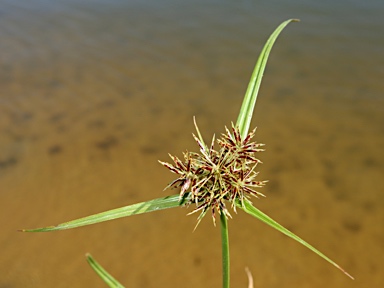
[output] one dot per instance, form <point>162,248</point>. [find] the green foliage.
<point>252,210</point>
<point>249,102</point>
<point>107,278</point>
<point>139,208</point>
<point>181,168</point>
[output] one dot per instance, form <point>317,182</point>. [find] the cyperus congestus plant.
<point>210,179</point>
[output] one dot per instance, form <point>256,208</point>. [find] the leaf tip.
<point>345,272</point>
<point>45,229</point>
<point>88,256</point>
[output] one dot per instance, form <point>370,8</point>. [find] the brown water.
<point>94,92</point>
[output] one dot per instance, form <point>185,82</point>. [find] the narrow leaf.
<point>246,111</point>
<point>252,210</point>
<point>139,208</point>
<point>199,134</point>
<point>111,282</point>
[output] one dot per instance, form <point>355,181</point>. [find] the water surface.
<point>94,92</point>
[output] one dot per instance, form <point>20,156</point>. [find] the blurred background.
<point>94,92</point>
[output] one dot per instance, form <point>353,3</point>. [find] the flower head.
<point>213,177</point>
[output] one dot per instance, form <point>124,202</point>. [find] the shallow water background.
<point>93,93</point>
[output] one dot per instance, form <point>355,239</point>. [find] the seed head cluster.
<point>213,177</point>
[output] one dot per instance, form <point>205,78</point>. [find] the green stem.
<point>225,249</point>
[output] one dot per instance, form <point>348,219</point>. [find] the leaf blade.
<point>135,209</point>
<point>253,211</point>
<point>249,102</point>
<point>107,278</point>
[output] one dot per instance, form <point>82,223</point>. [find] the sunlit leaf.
<point>111,282</point>
<point>246,111</point>
<point>252,210</point>
<point>139,208</point>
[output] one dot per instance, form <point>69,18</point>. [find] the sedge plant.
<point>215,180</point>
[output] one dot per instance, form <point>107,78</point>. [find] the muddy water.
<point>93,93</point>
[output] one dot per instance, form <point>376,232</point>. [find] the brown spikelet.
<point>214,177</point>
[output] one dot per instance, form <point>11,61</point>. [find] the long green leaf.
<point>252,210</point>
<point>246,110</point>
<point>111,282</point>
<point>139,208</point>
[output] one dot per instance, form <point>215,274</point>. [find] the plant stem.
<point>225,249</point>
